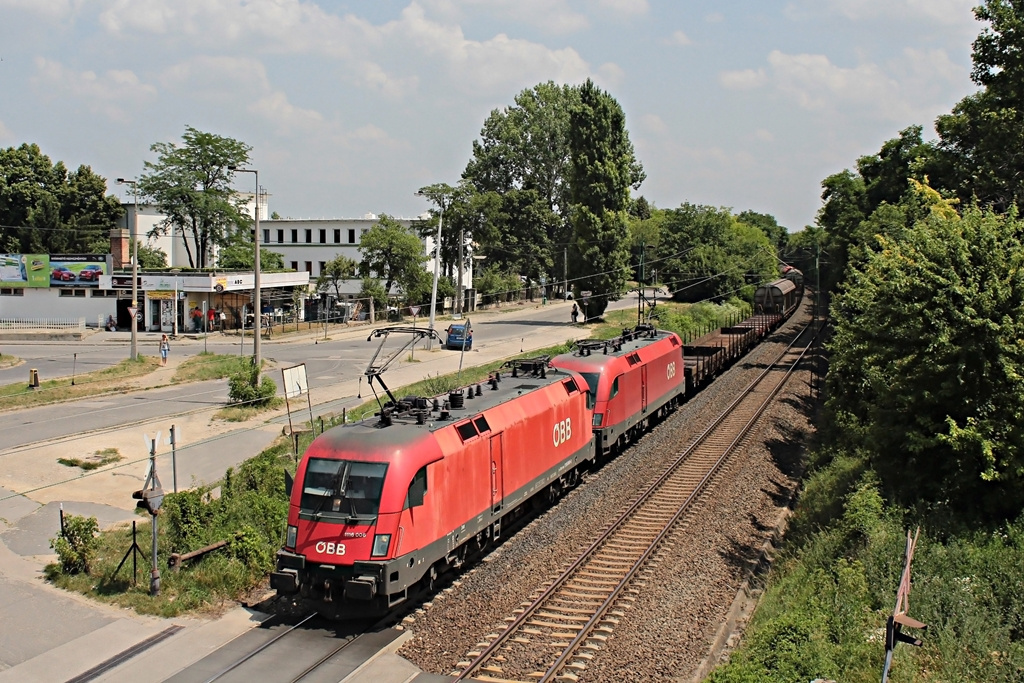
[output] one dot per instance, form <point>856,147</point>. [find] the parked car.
<point>63,274</point>
<point>37,264</point>
<point>91,272</point>
<point>457,334</point>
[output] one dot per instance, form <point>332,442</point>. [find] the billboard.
<point>77,270</point>
<point>24,270</point>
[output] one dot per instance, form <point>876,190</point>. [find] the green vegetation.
<point>921,425</point>
<point>94,461</point>
<point>249,513</point>
<point>207,365</point>
<point>106,381</point>
<point>247,388</point>
<point>76,547</point>
<point>9,361</point>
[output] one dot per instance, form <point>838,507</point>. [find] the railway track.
<point>301,651</point>
<point>556,634</point>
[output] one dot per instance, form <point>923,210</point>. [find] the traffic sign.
<point>415,310</point>
<point>133,312</point>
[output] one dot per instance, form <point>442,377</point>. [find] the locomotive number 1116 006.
<point>562,432</point>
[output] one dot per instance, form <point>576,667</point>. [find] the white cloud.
<point>679,38</point>
<point>908,88</point>
<point>745,79</point>
<point>654,123</point>
<point>5,133</point>
<point>714,17</point>
<point>113,93</point>
<point>940,11</point>
<point>626,6</point>
<point>610,75</point>
<point>275,107</point>
<point>551,16</point>
<point>764,135</point>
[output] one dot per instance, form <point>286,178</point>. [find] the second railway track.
<point>563,627</point>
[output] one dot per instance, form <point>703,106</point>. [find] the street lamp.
<point>256,267</point>
<point>134,235</point>
<point>437,264</point>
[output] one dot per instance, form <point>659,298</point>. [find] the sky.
<point>351,106</point>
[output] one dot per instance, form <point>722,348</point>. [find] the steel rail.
<point>258,650</point>
<point>630,512</point>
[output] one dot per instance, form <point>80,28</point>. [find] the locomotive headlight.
<point>290,537</point>
<point>597,419</point>
<point>380,545</point>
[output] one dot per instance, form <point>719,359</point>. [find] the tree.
<point>239,253</point>
<point>392,253</point>
<point>191,185</point>
<point>336,271</point>
<point>777,235</point>
<point>46,209</point>
<point>603,168</point>
<point>149,257</point>
<point>927,371</point>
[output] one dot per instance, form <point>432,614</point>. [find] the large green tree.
<point>393,254</point>
<point>602,169</point>
<point>335,272</point>
<point>46,209</point>
<point>191,185</point>
<point>982,137</point>
<point>927,367</point>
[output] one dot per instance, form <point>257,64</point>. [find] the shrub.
<point>76,546</point>
<point>246,387</point>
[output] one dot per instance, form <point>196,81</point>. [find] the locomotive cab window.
<point>592,379</point>
<point>615,388</point>
<point>342,490</point>
<point>417,489</point>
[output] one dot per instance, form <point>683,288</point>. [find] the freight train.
<point>379,509</point>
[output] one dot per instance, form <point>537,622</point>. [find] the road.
<point>327,363</point>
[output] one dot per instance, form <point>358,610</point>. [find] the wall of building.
<point>58,304</point>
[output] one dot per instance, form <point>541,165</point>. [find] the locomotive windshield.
<point>342,490</point>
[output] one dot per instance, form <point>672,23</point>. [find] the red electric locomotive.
<point>634,377</point>
<point>381,507</point>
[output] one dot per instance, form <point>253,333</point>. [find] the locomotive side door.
<point>497,462</point>
<point>643,388</point>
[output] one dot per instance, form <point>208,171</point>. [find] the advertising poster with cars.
<point>77,270</point>
<point>24,270</point>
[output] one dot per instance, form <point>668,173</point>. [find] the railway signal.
<point>150,497</point>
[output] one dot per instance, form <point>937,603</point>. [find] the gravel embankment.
<point>670,628</point>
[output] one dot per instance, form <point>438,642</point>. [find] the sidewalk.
<point>50,635</point>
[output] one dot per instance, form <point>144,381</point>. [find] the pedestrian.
<point>223,319</point>
<point>165,348</point>
<point>197,319</point>
<point>575,313</point>
<point>211,315</point>
<point>111,325</point>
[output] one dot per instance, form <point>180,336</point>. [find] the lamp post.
<point>134,235</point>
<point>256,268</point>
<point>437,264</point>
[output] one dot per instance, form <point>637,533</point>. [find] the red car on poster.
<point>63,274</point>
<point>91,272</point>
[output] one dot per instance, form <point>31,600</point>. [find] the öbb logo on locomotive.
<point>562,432</point>
<point>325,548</point>
<point>670,370</point>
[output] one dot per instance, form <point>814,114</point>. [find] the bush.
<point>76,547</point>
<point>246,387</point>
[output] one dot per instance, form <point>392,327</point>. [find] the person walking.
<point>575,313</point>
<point>211,315</point>
<point>165,348</point>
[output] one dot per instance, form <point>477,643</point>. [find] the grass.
<point>94,461</point>
<point>243,413</point>
<point>8,361</point>
<point>206,365</point>
<point>108,380</point>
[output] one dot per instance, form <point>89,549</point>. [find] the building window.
<point>323,237</point>
<point>295,265</point>
<point>309,267</point>
<point>295,236</point>
<point>12,291</point>
<point>266,236</point>
<point>104,293</point>
<point>280,236</point>
<point>351,235</point>
<point>337,236</point>
<point>309,236</point>
<point>72,292</point>
<point>323,266</point>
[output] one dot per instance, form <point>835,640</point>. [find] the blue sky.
<point>350,106</point>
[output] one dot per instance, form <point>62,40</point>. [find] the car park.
<point>459,335</point>
<point>63,274</point>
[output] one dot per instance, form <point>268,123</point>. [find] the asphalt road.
<point>327,363</point>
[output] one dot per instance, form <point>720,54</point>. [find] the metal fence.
<point>43,324</point>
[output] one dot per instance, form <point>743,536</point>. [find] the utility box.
<point>33,379</point>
